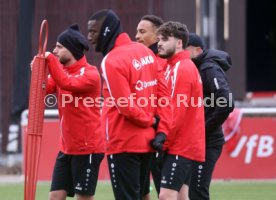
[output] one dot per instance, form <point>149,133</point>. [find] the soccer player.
<point>146,34</point>
<point>81,141</point>
<point>132,95</point>
<point>187,142</point>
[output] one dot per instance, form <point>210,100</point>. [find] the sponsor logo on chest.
<point>138,64</point>
<point>141,85</point>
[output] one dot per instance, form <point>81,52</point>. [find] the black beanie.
<point>73,40</point>
<point>110,30</point>
<point>195,41</point>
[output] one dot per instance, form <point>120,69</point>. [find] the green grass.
<point>243,190</point>
<point>231,190</point>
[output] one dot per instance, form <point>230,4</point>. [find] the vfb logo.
<point>263,144</point>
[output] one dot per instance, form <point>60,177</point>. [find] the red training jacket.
<point>78,88</point>
<point>131,94</point>
<point>188,137</point>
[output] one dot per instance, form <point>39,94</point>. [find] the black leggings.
<point>202,174</point>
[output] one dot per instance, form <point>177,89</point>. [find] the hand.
<point>156,122</point>
<point>47,53</point>
<point>158,141</point>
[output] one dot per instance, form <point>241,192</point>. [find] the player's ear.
<point>199,50</point>
<point>179,43</point>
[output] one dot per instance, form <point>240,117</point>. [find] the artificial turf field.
<point>226,190</point>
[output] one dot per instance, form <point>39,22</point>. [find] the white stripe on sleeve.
<point>175,71</point>
<point>106,80</point>
<point>82,71</point>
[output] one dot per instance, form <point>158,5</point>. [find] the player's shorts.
<point>77,174</point>
<point>156,170</point>
<point>128,173</point>
<point>176,172</point>
<point>147,185</point>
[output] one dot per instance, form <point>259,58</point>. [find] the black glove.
<point>158,141</point>
<point>155,125</point>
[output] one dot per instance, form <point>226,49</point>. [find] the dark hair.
<point>175,29</point>
<point>156,21</point>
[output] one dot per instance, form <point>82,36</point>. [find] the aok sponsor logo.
<point>140,85</point>
<point>262,143</point>
<point>138,64</point>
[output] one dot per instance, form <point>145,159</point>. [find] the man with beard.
<point>186,142</point>
<point>81,141</point>
<point>130,75</point>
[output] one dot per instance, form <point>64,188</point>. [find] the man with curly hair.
<point>187,141</point>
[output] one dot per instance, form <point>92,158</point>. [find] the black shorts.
<point>128,174</point>
<point>176,172</point>
<point>156,170</point>
<point>77,174</point>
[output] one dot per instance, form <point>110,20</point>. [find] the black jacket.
<point>212,65</point>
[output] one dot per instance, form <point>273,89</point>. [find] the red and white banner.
<point>253,157</point>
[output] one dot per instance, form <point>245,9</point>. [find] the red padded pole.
<point>35,116</point>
